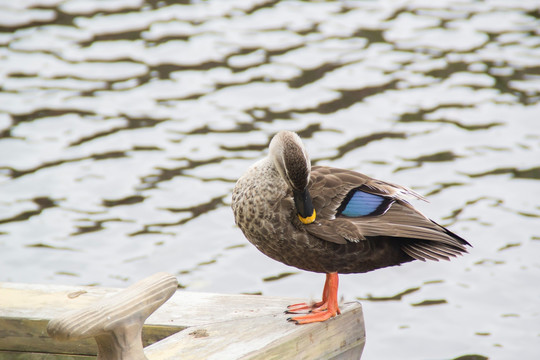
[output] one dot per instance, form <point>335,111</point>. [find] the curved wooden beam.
<point>116,322</point>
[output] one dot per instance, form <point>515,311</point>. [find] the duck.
<point>333,221</point>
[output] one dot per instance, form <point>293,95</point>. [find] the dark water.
<point>124,125</point>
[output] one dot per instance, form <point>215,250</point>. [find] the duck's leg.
<point>302,307</point>
<point>323,310</point>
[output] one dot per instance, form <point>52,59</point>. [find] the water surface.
<point>124,125</point>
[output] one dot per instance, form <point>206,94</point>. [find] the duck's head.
<point>292,161</point>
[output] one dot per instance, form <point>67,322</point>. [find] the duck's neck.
<point>267,173</point>
<point>266,180</point>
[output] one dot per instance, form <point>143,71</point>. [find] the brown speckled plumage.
<point>265,211</point>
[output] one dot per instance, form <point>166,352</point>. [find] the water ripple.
<point>124,125</point>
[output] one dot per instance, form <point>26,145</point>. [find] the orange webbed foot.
<point>318,316</point>
<point>321,311</point>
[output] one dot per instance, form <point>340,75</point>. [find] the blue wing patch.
<point>359,203</point>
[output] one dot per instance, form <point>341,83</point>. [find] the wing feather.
<point>331,190</point>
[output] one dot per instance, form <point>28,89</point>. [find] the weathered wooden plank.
<point>184,309</point>
<point>223,324</point>
<point>24,334</point>
<point>267,337</point>
<point>30,335</point>
<point>26,309</point>
<point>16,355</point>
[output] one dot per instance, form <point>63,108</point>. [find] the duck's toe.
<point>302,308</point>
<point>314,317</point>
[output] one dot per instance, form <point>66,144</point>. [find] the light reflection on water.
<point>124,125</point>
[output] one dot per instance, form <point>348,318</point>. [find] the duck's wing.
<point>352,207</point>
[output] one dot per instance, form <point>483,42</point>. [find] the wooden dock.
<point>189,325</point>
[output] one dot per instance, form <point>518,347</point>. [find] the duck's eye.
<point>358,203</point>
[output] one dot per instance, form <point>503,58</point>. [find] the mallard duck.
<point>332,221</point>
